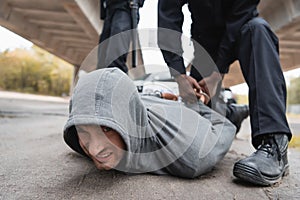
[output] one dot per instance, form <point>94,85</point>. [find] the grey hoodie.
<point>161,136</point>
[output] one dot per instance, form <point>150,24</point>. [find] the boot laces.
<point>270,145</point>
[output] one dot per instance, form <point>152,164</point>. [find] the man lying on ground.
<point>116,127</point>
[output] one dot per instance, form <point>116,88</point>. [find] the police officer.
<point>115,38</point>
<point>231,30</point>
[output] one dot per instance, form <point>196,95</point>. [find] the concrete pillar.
<point>74,79</point>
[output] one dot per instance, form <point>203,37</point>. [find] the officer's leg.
<point>118,47</point>
<point>258,55</point>
<point>103,43</point>
<point>259,59</point>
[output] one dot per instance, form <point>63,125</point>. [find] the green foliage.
<point>294,91</point>
<point>34,71</point>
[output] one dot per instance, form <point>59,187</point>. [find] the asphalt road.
<point>37,164</point>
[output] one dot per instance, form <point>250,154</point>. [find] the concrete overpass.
<point>69,29</point>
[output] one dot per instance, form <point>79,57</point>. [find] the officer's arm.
<point>170,20</point>
<point>241,12</point>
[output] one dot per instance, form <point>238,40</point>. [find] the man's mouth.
<point>104,157</point>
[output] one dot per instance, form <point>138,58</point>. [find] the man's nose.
<point>95,148</point>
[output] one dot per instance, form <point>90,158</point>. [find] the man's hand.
<point>188,88</point>
<point>209,84</point>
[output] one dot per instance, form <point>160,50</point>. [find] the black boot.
<point>268,164</point>
<point>236,114</point>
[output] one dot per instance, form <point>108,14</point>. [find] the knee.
<point>258,28</point>
<point>255,24</point>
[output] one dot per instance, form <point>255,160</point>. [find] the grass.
<point>242,99</point>
<point>295,142</point>
<point>293,115</point>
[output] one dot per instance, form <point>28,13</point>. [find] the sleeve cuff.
<point>223,66</point>
<point>177,68</point>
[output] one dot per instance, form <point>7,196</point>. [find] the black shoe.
<point>236,114</point>
<point>268,164</point>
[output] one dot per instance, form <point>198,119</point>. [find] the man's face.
<point>102,144</point>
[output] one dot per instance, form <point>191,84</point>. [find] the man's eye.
<point>106,129</point>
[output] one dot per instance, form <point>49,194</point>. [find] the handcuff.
<point>206,97</point>
<point>170,96</point>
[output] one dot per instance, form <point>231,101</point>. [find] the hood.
<point>107,97</point>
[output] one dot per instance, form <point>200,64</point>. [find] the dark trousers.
<point>257,52</point>
<point>115,38</point>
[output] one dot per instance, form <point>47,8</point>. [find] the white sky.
<point>10,40</point>
<point>152,58</point>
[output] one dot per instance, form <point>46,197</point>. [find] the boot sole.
<point>252,175</point>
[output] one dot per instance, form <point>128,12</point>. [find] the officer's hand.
<point>209,84</point>
<point>188,88</point>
